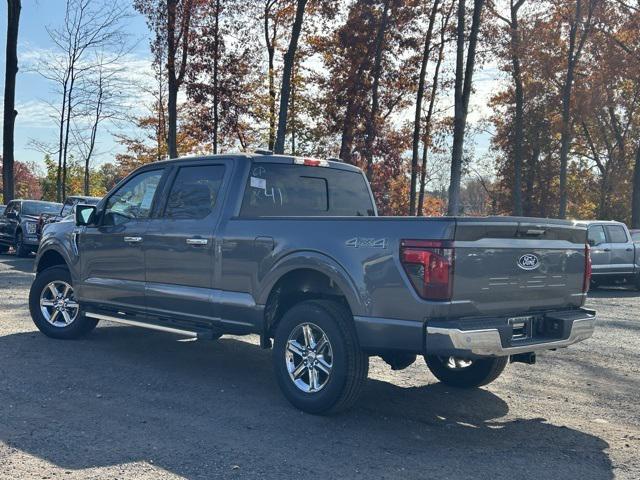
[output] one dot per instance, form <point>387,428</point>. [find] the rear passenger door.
<point>180,243</point>
<point>622,254</point>
<point>600,250</point>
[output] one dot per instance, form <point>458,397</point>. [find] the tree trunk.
<point>462,94</point>
<point>271,48</point>
<point>216,94</point>
<point>530,178</point>
<point>573,55</point>
<point>635,197</point>
<point>293,112</point>
<point>172,81</point>
<point>372,119</point>
<point>432,102</point>
<point>10,113</point>
<point>285,91</point>
<point>65,148</point>
<point>418,116</point>
<point>519,116</point>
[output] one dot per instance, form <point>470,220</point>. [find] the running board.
<point>150,326</point>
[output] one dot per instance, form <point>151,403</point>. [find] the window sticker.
<point>260,183</point>
<point>148,197</point>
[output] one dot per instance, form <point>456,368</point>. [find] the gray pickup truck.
<point>614,254</point>
<point>292,249</point>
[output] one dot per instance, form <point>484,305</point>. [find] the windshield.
<point>36,208</point>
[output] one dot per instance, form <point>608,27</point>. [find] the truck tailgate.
<point>512,265</point>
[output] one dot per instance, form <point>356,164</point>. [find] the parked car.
<point>291,249</point>
<point>19,222</point>
<point>68,209</point>
<point>2,209</point>
<point>614,254</point>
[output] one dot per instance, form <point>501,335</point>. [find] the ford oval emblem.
<point>528,262</point>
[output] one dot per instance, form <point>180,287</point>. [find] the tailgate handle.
<point>534,232</point>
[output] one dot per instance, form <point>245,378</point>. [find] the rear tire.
<point>43,303</point>
<point>321,372</point>
<point>21,250</point>
<point>476,374</point>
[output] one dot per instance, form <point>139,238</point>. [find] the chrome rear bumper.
<point>496,338</point>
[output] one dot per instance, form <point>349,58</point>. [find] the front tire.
<point>53,306</point>
<point>318,362</point>
<point>21,249</point>
<point>461,373</point>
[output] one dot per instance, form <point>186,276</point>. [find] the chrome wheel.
<point>58,305</point>
<point>309,357</point>
<point>455,363</point>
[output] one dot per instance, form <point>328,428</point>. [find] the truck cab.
<point>614,254</point>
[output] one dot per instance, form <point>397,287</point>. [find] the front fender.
<point>62,243</point>
<point>313,261</point>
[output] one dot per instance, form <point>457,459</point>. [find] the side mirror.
<point>85,215</point>
<point>12,215</point>
<point>591,242</point>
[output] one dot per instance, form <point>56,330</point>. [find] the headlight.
<point>31,228</point>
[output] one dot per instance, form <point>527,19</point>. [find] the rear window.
<point>294,190</point>
<point>616,234</point>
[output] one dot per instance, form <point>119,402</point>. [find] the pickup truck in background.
<point>19,223</point>
<point>614,254</point>
<point>292,249</point>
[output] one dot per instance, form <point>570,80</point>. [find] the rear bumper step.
<point>509,336</point>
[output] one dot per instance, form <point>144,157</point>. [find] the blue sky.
<point>33,92</point>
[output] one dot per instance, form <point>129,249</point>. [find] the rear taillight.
<point>587,269</point>
<point>429,266</point>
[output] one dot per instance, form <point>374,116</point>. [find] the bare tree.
<point>285,90</point>
<point>89,26</point>
<point>464,75</point>
<point>104,98</point>
<point>10,113</point>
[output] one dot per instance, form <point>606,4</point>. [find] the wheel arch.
<point>303,276</point>
<point>51,258</point>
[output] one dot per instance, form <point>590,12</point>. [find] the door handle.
<point>133,239</point>
<point>606,249</point>
<point>197,241</point>
<point>629,249</point>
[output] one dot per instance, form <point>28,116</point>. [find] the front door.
<point>622,254</point>
<point>111,253</point>
<point>180,244</point>
<point>600,250</point>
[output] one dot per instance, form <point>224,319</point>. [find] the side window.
<point>133,200</point>
<point>293,190</point>
<point>194,192</point>
<point>616,234</point>
<point>67,208</point>
<point>596,235</point>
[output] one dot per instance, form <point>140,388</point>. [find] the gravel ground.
<point>131,403</point>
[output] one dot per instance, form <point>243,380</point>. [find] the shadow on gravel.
<point>16,263</point>
<point>613,292</point>
<point>201,409</point>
